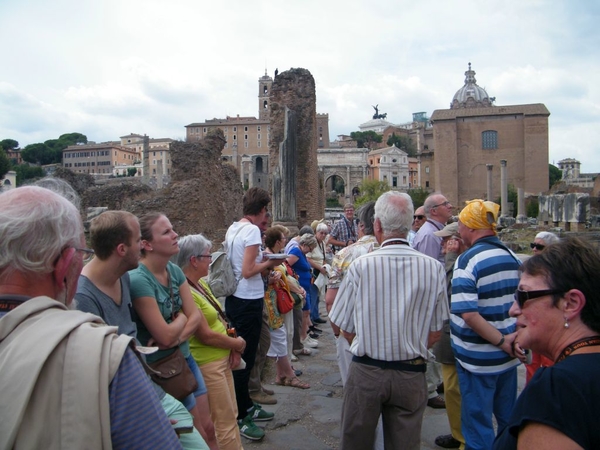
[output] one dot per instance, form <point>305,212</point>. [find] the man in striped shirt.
<point>394,301</point>
<point>483,284</point>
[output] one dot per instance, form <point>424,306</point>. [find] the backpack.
<point>221,278</point>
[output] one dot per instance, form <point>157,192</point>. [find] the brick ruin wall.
<point>295,89</point>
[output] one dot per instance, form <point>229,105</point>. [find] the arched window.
<point>258,164</point>
<point>489,140</point>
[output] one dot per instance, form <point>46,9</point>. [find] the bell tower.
<point>264,91</point>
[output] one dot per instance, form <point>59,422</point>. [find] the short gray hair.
<point>306,229</point>
<point>191,245</point>
<point>308,239</point>
<point>36,225</point>
<point>395,212</point>
<point>547,237</point>
<point>322,227</point>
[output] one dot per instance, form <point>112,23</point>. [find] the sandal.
<point>295,382</point>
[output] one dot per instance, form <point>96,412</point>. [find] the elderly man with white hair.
<point>394,301</point>
<point>67,379</point>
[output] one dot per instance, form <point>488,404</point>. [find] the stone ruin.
<point>296,187</point>
<point>567,211</point>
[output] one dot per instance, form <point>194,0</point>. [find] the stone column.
<point>521,216</point>
<point>503,189</point>
<point>489,182</point>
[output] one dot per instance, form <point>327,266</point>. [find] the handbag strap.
<point>171,293</point>
<point>208,297</point>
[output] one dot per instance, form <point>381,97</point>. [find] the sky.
<point>113,67</point>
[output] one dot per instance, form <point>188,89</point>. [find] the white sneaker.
<point>293,358</point>
<point>310,342</point>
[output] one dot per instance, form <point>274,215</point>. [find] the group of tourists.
<point>417,302</point>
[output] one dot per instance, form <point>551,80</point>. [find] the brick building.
<point>474,133</point>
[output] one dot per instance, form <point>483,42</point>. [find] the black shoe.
<point>436,402</point>
<point>440,388</point>
<point>314,329</point>
<point>319,320</point>
<point>447,441</point>
<point>314,335</point>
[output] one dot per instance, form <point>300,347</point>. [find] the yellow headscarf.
<point>480,215</point>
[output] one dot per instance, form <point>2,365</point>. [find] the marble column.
<point>490,194</point>
<point>503,188</point>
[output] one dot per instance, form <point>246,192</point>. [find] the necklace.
<point>248,219</point>
<point>585,342</point>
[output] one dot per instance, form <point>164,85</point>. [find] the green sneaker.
<point>257,414</point>
<point>249,430</point>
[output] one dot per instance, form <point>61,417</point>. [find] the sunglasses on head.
<point>539,247</point>
<point>419,216</point>
<point>522,296</point>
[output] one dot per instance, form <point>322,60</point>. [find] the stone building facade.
<point>390,165</point>
<point>474,133</point>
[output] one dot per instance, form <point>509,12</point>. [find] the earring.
<point>566,323</point>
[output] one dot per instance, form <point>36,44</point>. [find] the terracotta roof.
<point>527,110</point>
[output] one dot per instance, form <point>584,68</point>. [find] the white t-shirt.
<point>248,288</point>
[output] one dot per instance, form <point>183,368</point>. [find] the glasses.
<point>204,256</point>
<point>88,253</point>
<point>446,203</point>
<point>522,296</point>
<point>538,247</point>
<point>420,217</point>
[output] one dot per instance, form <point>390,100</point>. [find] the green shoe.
<point>257,414</point>
<point>249,430</point>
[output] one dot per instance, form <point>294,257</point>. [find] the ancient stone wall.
<point>204,196</point>
<point>295,89</point>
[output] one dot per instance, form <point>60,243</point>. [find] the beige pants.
<point>223,406</point>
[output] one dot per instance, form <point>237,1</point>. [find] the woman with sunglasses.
<point>165,313</point>
<point>557,307</point>
<point>542,240</point>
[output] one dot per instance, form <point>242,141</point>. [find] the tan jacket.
<point>55,369</point>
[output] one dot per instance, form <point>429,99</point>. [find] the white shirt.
<point>392,298</point>
<point>248,288</point>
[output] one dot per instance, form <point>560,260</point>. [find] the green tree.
<point>131,172</point>
<point>418,196</point>
<point>4,163</point>
<point>403,143</point>
<point>26,172</point>
<point>533,208</point>
<point>370,190</point>
<point>38,154</point>
<point>366,139</point>
<point>555,174</point>
<point>9,144</point>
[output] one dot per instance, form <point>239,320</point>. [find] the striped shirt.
<point>484,281</point>
<point>392,298</point>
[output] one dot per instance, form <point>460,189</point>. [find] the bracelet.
<point>499,344</point>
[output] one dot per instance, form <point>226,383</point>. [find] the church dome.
<point>471,95</point>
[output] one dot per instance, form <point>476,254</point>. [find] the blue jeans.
<point>482,396</point>
<point>190,401</point>
<point>314,302</point>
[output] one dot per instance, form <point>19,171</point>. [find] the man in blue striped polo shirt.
<point>483,284</point>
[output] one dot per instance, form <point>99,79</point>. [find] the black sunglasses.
<point>539,247</point>
<point>522,296</point>
<point>420,217</point>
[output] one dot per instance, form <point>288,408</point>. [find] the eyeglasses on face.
<point>88,253</point>
<point>522,296</point>
<point>446,203</point>
<point>538,247</point>
<point>418,216</point>
<point>204,256</point>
